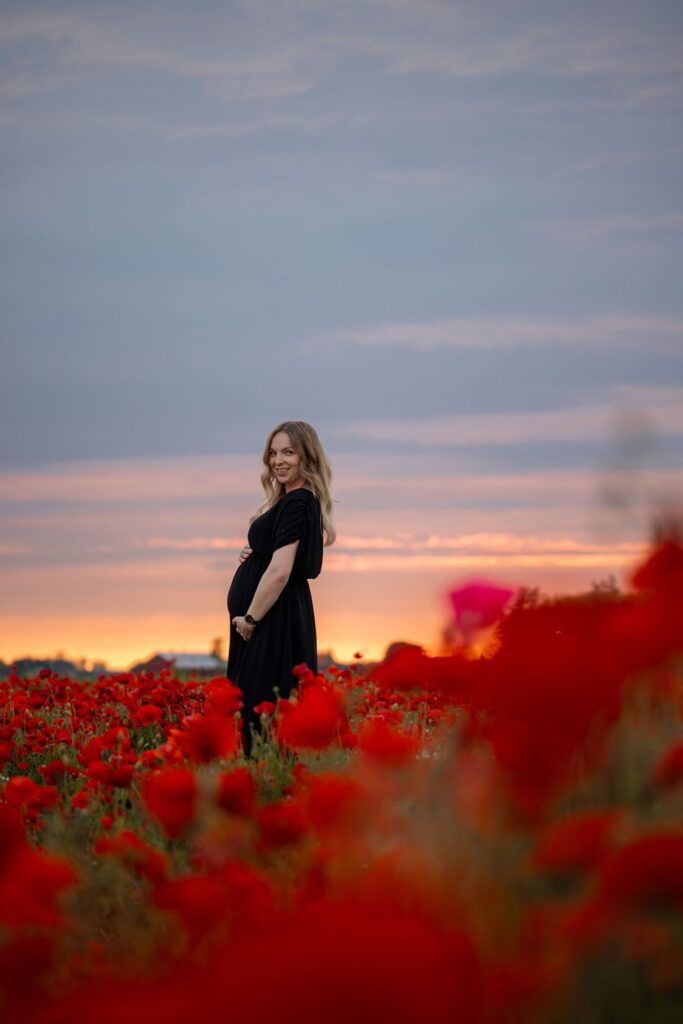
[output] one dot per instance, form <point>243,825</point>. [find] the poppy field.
<point>479,838</point>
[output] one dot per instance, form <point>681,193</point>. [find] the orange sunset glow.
<point>147,564</point>
<point>445,235</point>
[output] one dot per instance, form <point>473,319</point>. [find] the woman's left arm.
<point>270,586</point>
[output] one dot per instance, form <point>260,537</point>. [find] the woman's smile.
<point>281,448</point>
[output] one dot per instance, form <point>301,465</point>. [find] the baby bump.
<point>244,584</point>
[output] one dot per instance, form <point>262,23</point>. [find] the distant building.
<point>28,667</point>
<point>181,661</point>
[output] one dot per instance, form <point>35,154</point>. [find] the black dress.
<point>286,635</point>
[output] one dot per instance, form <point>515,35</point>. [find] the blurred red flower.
<point>337,803</point>
<point>22,791</point>
<point>662,571</point>
<point>141,857</point>
<point>148,714</point>
<point>266,707</point>
<point>31,883</point>
<point>576,843</point>
<point>281,823</point>
<point>645,873</point>
<point>204,739</point>
<point>201,902</point>
<point>478,604</point>
<point>668,770</point>
<point>404,669</point>
<point>314,721</point>
<point>236,792</point>
<point>171,796</point>
<point>223,697</point>
<point>384,743</point>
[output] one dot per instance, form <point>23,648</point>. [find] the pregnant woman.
<point>272,624</point>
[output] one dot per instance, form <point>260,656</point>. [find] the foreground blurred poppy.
<point>577,842</point>
<point>236,792</point>
<point>281,823</point>
<point>382,742</point>
<point>478,604</point>
<point>328,962</point>
<point>136,854</point>
<point>171,796</point>
<point>662,571</point>
<point>314,721</point>
<point>31,883</point>
<point>668,771</point>
<point>645,873</point>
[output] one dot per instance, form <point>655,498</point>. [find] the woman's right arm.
<point>273,581</point>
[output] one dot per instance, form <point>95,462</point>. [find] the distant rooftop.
<point>184,660</point>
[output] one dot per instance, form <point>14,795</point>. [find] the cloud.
<point>482,41</point>
<point>235,61</point>
<point>606,331</point>
<point>408,550</point>
<point>117,481</point>
<point>491,563</point>
<point>88,492</point>
<point>619,226</point>
<point>194,544</point>
<point>10,549</point>
<point>269,50</point>
<point>661,411</point>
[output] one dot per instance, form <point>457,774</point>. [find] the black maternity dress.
<point>286,635</point>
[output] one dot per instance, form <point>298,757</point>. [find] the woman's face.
<point>284,461</point>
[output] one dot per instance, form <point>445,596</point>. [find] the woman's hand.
<point>244,553</point>
<point>243,627</point>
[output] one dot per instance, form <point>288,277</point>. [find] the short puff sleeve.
<point>292,520</point>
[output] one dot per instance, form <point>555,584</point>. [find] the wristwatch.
<point>248,618</point>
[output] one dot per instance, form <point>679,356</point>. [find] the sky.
<point>447,234</point>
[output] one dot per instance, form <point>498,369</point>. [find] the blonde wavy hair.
<point>314,467</point>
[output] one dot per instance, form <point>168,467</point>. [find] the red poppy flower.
<point>266,707</point>
<point>12,835</point>
<point>236,792</point>
<point>55,770</point>
<point>111,774</point>
<point>478,604</point>
<point>24,963</point>
<point>205,739</point>
<point>313,722</point>
<point>404,669</point>
<point>647,872</point>
<point>80,800</point>
<point>668,771</point>
<point>336,802</point>
<point>30,886</point>
<point>662,571</point>
<point>171,796</point>
<point>148,714</point>
<point>384,743</point>
<point>281,823</point>
<point>576,843</point>
<point>92,751</point>
<point>223,697</point>
<point>22,791</point>
<point>142,858</point>
<point>201,902</point>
